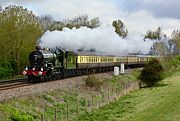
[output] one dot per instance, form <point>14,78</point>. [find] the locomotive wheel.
<point>59,76</point>
<point>45,78</point>
<point>42,79</point>
<point>30,79</point>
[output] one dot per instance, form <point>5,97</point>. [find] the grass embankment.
<point>29,108</point>
<point>160,103</point>
<point>153,104</point>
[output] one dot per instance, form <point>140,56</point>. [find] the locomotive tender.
<point>56,64</point>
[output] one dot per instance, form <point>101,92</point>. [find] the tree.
<point>0,8</point>
<point>154,34</point>
<point>76,22</point>
<point>120,28</point>
<point>151,73</point>
<point>19,31</point>
<point>94,23</point>
<point>46,22</point>
<point>176,40</point>
<point>160,45</point>
<point>57,25</point>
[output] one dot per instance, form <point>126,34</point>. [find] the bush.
<point>151,73</point>
<point>93,81</point>
<point>5,68</point>
<point>16,116</point>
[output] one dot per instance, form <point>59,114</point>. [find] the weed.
<point>16,116</point>
<point>93,81</point>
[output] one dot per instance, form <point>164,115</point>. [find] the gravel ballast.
<point>43,87</point>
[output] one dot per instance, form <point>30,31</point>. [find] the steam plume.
<point>102,39</point>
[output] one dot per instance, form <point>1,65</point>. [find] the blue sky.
<point>138,15</point>
<point>159,8</point>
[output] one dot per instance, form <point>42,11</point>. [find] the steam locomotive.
<point>59,63</point>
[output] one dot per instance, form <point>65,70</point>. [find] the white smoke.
<point>102,39</point>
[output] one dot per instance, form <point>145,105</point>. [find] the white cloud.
<point>62,9</point>
<point>141,18</point>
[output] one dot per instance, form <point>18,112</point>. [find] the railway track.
<point>21,82</point>
<point>14,83</point>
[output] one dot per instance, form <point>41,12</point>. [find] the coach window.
<point>80,59</point>
<point>89,59</point>
<point>103,59</point>
<point>86,59</point>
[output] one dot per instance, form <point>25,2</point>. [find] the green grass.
<point>32,106</point>
<point>160,103</point>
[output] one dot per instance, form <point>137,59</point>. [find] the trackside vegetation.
<point>31,107</point>
<point>156,103</point>
<point>160,103</point>
<point>152,73</point>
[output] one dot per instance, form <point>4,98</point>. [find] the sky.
<point>138,15</point>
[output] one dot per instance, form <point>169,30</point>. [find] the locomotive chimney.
<point>38,47</point>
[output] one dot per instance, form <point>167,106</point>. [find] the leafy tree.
<point>5,68</point>
<point>19,31</point>
<point>94,23</point>
<point>151,73</point>
<point>76,22</point>
<point>154,34</point>
<point>81,20</point>
<point>0,8</point>
<point>69,26</point>
<point>57,25</point>
<point>120,28</point>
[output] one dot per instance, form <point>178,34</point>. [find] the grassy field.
<point>160,103</point>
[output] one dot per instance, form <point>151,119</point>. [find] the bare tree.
<point>176,40</point>
<point>46,22</point>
